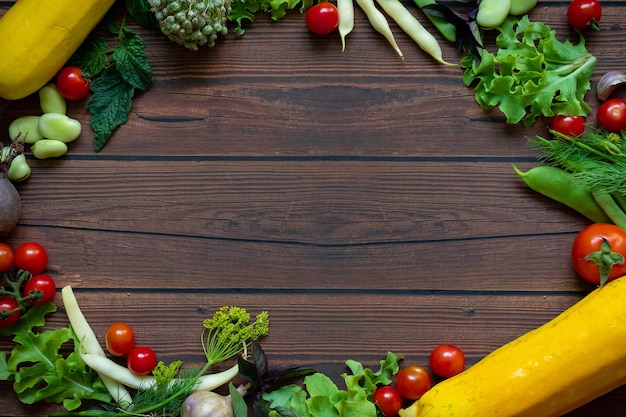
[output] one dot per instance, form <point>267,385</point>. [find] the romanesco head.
<point>192,23</point>
<point>230,331</point>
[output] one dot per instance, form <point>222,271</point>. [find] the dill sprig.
<point>597,158</point>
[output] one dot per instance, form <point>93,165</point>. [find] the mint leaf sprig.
<point>116,72</point>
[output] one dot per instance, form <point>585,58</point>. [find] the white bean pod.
<point>59,127</point>
<point>346,20</point>
<point>26,128</point>
<point>48,148</point>
<point>379,22</point>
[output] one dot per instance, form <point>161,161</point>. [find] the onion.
<point>10,206</point>
<point>10,202</point>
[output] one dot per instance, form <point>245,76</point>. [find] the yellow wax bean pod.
<point>59,127</point>
<point>26,128</point>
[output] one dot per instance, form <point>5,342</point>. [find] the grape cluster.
<point>192,23</point>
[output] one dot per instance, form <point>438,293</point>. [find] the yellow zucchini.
<point>37,37</point>
<point>548,372</point>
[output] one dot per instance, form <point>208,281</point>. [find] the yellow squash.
<point>548,372</point>
<point>37,37</point>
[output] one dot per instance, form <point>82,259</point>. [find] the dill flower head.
<point>229,332</point>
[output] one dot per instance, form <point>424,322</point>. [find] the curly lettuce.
<point>532,74</point>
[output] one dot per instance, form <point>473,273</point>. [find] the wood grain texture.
<point>365,201</point>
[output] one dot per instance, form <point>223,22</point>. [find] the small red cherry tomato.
<point>31,257</point>
<point>43,287</point>
<point>71,83</point>
<point>573,126</point>
<point>447,360</point>
<point>599,253</point>
<point>388,400</point>
<point>119,339</point>
<point>7,258</point>
<point>412,382</point>
<point>611,115</point>
<point>141,360</point>
<point>8,304</point>
<point>582,14</point>
<point>323,18</point>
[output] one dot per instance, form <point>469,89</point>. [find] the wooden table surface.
<point>365,201</point>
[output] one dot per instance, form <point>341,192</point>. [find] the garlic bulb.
<point>207,404</point>
<point>608,83</point>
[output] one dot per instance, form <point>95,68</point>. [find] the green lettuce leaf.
<point>38,369</point>
<point>532,74</point>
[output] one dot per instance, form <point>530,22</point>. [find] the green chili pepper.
<point>562,186</point>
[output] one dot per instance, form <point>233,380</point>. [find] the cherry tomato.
<point>413,381</point>
<point>44,285</point>
<point>568,125</point>
<point>323,18</point>
<point>582,14</point>
<point>447,360</point>
<point>388,400</point>
<point>7,257</point>
<point>592,260</point>
<point>9,304</point>
<point>141,360</point>
<point>611,115</point>
<point>119,339</point>
<point>71,83</point>
<point>32,257</point>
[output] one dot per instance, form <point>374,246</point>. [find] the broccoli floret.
<point>192,23</point>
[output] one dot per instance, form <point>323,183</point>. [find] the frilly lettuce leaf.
<point>39,370</point>
<point>532,74</point>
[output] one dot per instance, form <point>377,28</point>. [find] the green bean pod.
<point>26,128</point>
<point>447,29</point>
<point>48,148</point>
<point>51,101</point>
<point>562,186</point>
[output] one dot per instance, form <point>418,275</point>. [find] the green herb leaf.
<point>130,60</point>
<point>109,105</point>
<point>40,372</point>
<point>140,11</point>
<point>533,74</point>
<point>91,57</point>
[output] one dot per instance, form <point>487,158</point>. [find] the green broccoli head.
<point>192,23</point>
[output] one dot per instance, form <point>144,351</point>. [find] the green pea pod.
<point>562,186</point>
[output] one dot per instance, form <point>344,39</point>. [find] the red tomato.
<point>323,18</point>
<point>447,360</point>
<point>71,83</point>
<point>598,253</point>
<point>413,381</point>
<point>6,257</point>
<point>32,257</point>
<point>119,339</point>
<point>568,125</point>
<point>141,360</point>
<point>388,400</point>
<point>9,304</point>
<point>611,115</point>
<point>41,285</point>
<point>582,14</point>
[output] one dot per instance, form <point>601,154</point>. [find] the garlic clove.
<point>608,83</point>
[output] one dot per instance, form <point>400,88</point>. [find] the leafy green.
<point>116,73</point>
<point>40,372</point>
<point>532,74</point>
<point>243,10</point>
<point>320,397</point>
